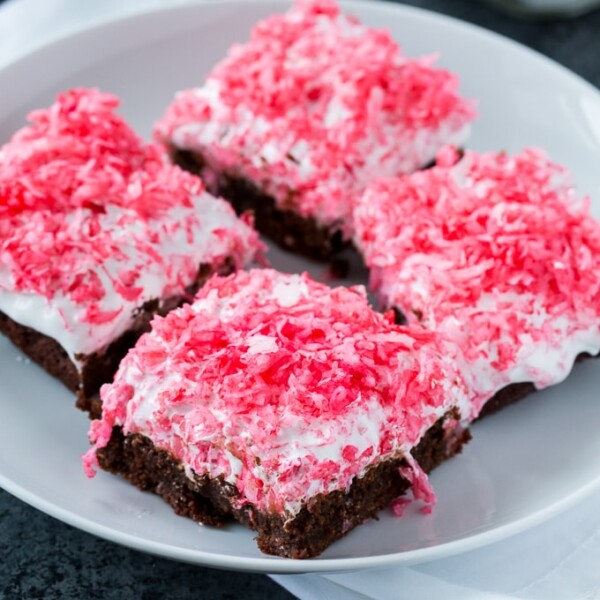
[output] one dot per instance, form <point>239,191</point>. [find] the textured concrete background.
<point>44,558</point>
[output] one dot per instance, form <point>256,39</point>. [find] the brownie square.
<point>98,233</point>
<point>294,123</point>
<point>290,406</point>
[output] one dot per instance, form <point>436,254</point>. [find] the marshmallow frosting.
<point>282,386</point>
<point>94,223</point>
<point>495,252</point>
<point>314,106</point>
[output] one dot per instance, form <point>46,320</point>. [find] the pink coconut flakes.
<point>71,184</point>
<point>494,250</point>
<point>260,352</point>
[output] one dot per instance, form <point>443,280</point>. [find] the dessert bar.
<point>496,253</point>
<point>97,234</point>
<point>288,405</point>
<point>297,121</point>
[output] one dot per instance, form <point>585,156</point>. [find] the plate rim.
<point>140,10</point>
<point>287,566</point>
<point>266,563</point>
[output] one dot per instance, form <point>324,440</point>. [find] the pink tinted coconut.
<point>94,223</point>
<point>497,253</point>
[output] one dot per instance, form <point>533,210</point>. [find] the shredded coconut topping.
<point>88,213</point>
<point>496,252</point>
<point>315,106</point>
<point>280,385</point>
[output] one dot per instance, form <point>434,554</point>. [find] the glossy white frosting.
<point>218,236</point>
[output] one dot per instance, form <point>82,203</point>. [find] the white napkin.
<point>558,560</point>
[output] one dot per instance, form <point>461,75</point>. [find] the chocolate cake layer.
<point>100,367</point>
<point>96,369</point>
<point>285,227</point>
<point>43,350</point>
<point>325,518</point>
<point>505,397</point>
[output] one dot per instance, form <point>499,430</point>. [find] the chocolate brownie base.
<point>515,392</point>
<point>44,350</point>
<point>285,227</point>
<point>325,518</point>
<point>505,397</point>
<point>100,367</point>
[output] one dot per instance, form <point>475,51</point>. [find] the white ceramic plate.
<point>524,464</point>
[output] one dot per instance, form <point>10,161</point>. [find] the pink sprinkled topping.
<point>419,484</point>
<point>315,106</point>
<point>497,253</point>
<point>95,222</point>
<point>79,154</point>
<point>281,385</point>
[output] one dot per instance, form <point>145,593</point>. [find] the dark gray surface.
<point>43,558</point>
